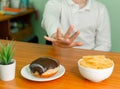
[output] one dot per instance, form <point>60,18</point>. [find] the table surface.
<point>27,52</point>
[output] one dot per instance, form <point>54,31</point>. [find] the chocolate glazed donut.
<point>44,67</point>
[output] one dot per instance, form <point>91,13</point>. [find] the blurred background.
<point>112,6</point>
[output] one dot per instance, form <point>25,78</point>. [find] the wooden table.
<point>27,52</point>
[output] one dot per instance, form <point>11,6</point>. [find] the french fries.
<point>96,62</point>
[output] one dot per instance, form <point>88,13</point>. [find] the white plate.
<point>25,72</point>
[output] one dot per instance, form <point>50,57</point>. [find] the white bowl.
<point>95,75</point>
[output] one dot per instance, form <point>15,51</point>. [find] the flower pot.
<point>7,72</point>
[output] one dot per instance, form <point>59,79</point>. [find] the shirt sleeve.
<point>51,16</point>
<point>103,33</point>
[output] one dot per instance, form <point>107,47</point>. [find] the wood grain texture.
<point>27,52</point>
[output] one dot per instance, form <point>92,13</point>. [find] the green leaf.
<point>7,52</point>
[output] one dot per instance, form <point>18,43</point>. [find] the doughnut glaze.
<point>43,64</point>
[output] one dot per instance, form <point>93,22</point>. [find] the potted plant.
<point>7,63</point>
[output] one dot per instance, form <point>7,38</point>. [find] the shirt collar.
<point>87,7</point>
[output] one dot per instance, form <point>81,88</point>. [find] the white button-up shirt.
<point>92,21</point>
